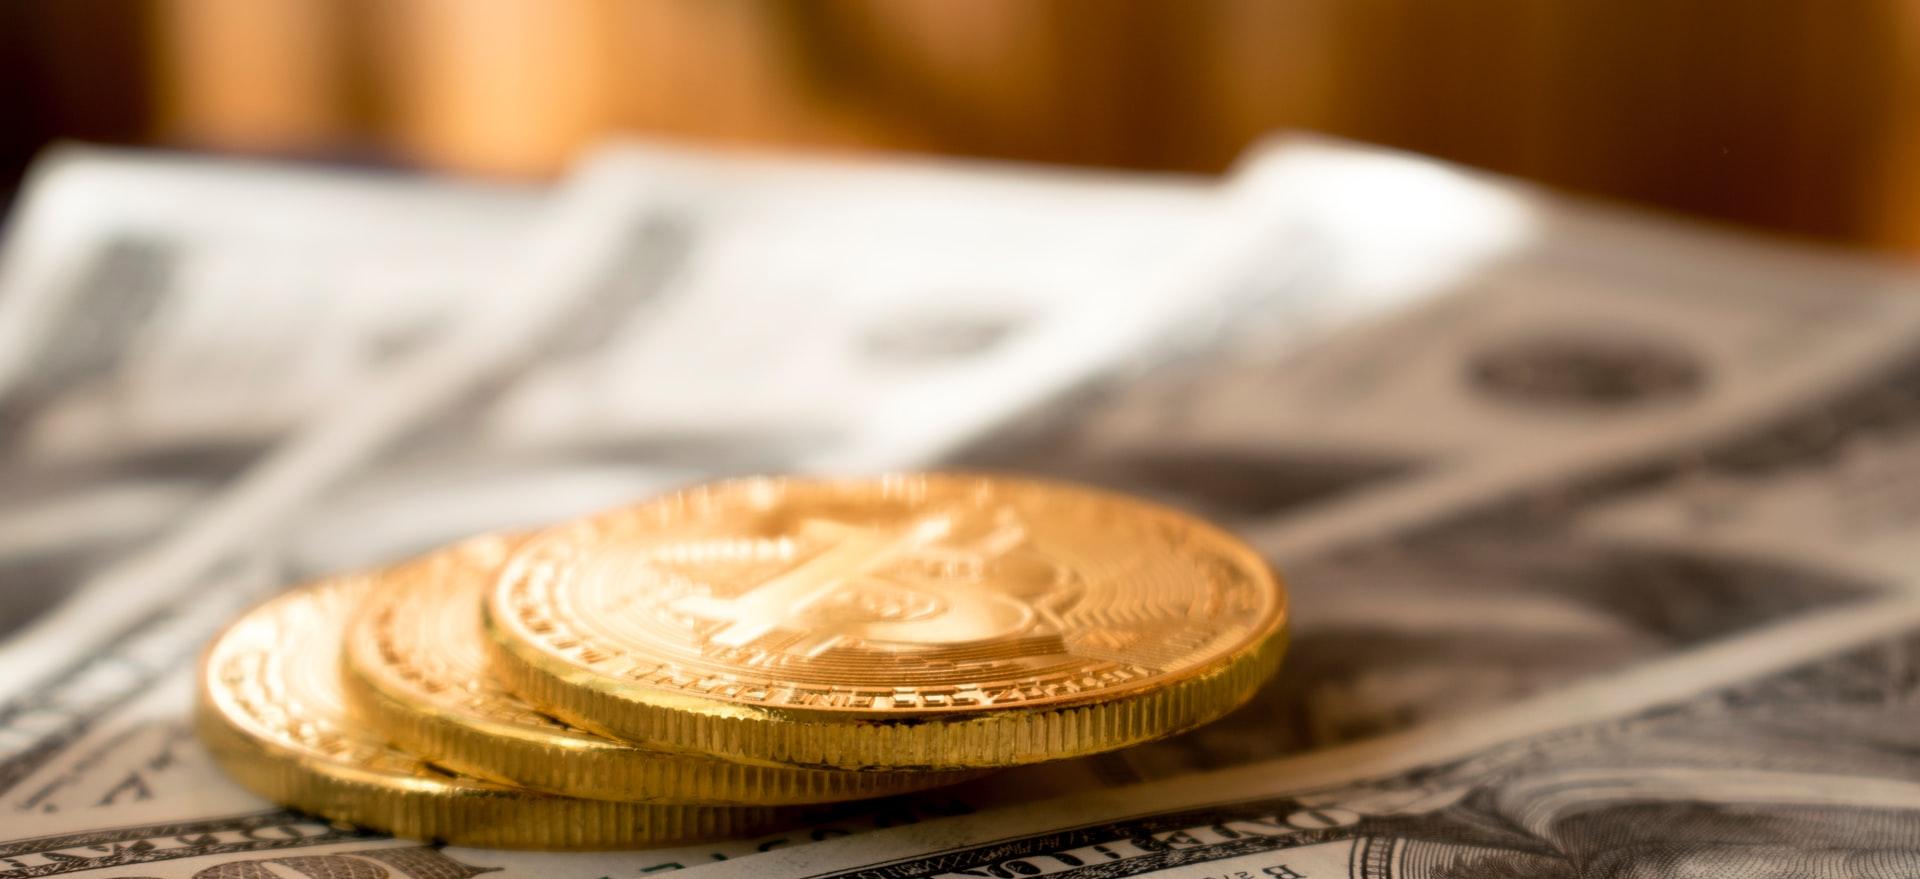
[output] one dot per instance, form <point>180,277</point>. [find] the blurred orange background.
<point>1800,118</point>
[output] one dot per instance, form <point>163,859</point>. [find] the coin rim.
<point>578,763</point>
<point>457,810</point>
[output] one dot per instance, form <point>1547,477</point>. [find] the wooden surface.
<point>1800,117</point>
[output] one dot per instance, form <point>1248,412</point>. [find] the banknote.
<point>127,784</point>
<point>475,430</point>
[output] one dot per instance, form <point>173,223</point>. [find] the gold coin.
<point>416,669</point>
<point>270,710</point>
<point>931,621</point>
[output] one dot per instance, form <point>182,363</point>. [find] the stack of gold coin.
<point>723,660</point>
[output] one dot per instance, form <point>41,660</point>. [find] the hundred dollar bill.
<point>470,432</point>
<point>79,782</point>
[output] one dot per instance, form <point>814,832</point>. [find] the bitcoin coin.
<point>416,669</point>
<point>270,711</point>
<point>927,621</point>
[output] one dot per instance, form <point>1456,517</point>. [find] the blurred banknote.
<point>164,321</point>
<point>163,307</point>
<point>1587,447</point>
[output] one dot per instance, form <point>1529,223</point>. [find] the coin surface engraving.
<point>923,621</point>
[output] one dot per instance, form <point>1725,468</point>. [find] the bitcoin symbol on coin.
<point>916,584</point>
